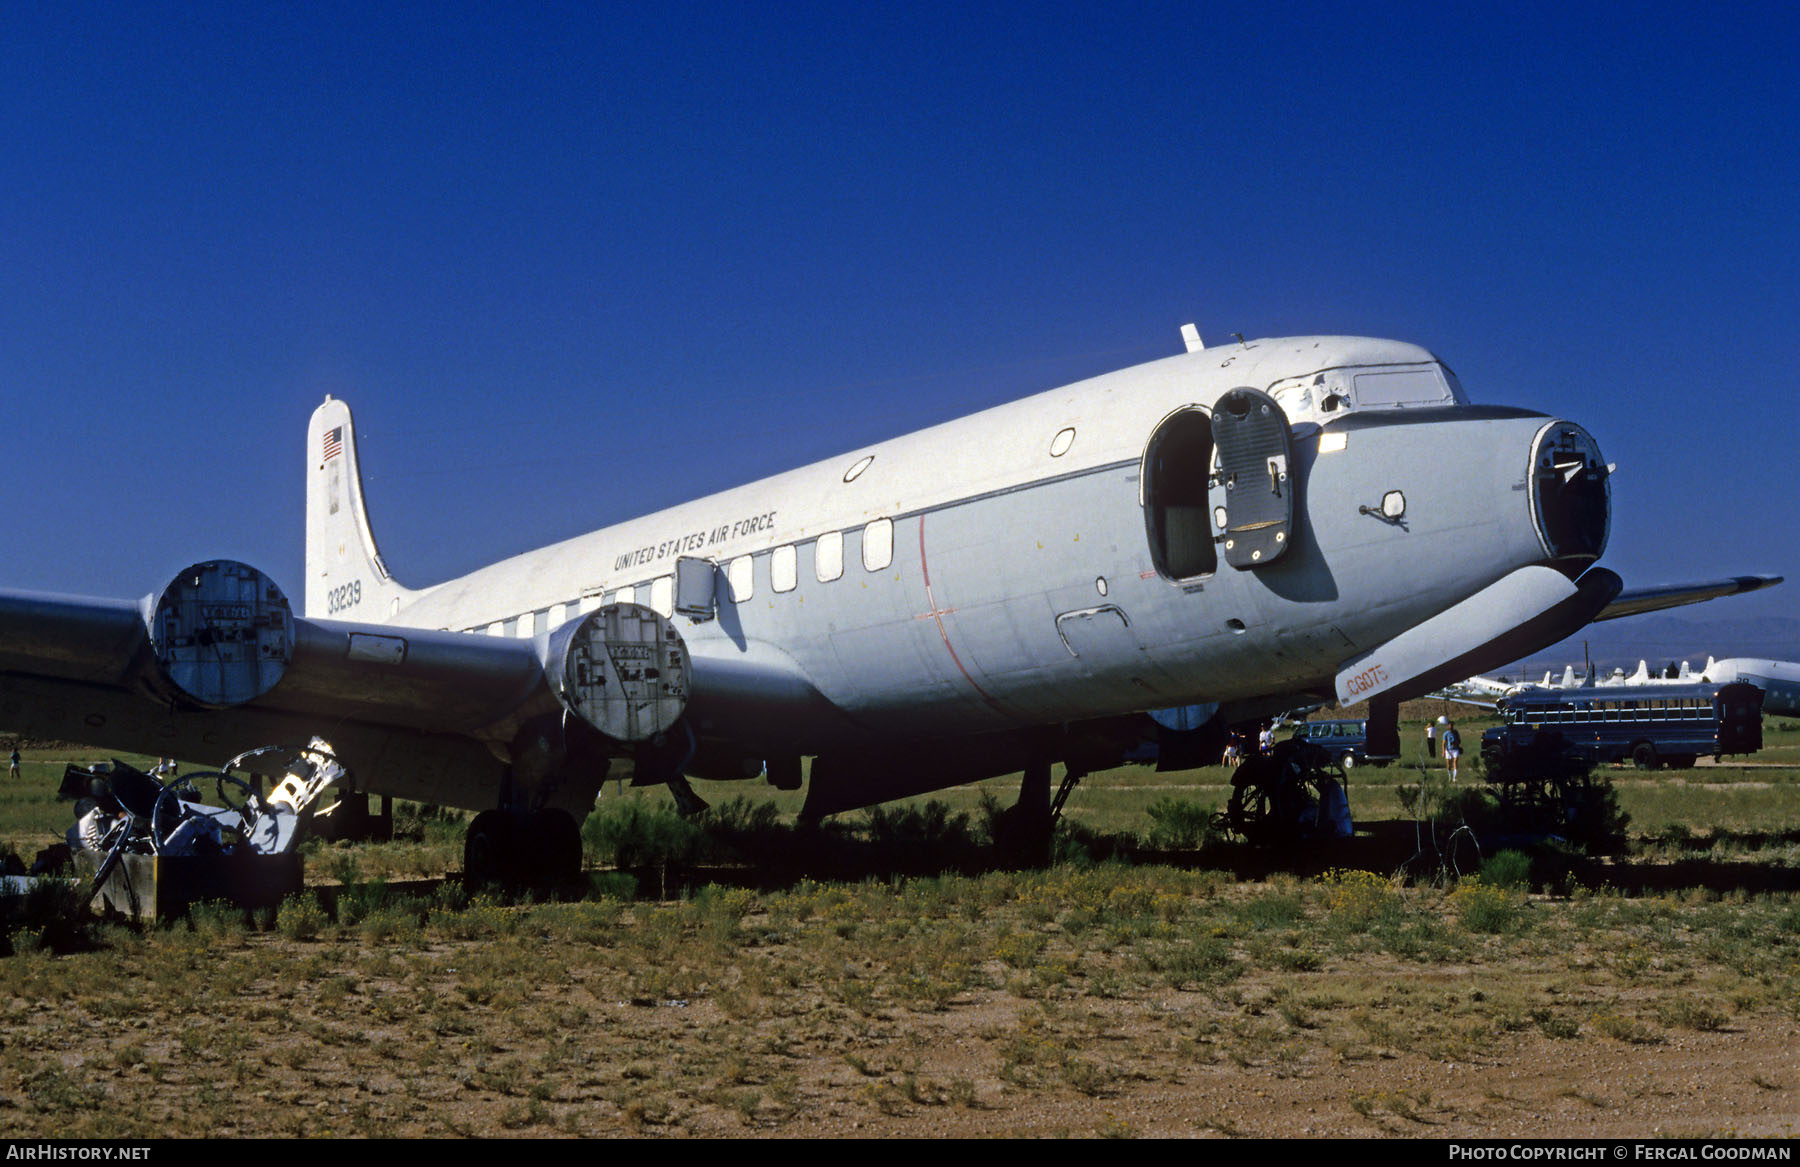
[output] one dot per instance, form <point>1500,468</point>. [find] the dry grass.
<point>1116,1001</point>
<point>1110,1001</point>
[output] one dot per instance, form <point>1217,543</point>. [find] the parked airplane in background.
<point>1210,538</point>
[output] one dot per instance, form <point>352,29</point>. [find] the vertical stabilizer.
<point>345,578</point>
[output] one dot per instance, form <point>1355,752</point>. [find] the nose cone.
<point>1571,498</point>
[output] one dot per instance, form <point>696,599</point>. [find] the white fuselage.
<point>995,572</point>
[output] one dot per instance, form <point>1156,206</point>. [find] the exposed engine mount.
<point>222,633</point>
<point>622,669</point>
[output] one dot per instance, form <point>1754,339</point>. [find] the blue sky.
<point>572,265</point>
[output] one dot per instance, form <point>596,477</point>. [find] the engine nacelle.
<point>622,669</point>
<point>222,633</point>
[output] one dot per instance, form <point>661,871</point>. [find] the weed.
<point>1355,900</point>
<point>1550,1025</point>
<point>1199,960</point>
<point>1626,1029</point>
<point>1507,869</point>
<point>1486,908</point>
<point>300,916</point>
<point>1116,1128</point>
<point>1021,950</point>
<point>1180,825</point>
<point>1690,1013</point>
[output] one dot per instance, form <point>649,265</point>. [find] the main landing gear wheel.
<point>557,843</point>
<point>1256,805</point>
<point>1275,797</point>
<point>543,847</point>
<point>488,850</point>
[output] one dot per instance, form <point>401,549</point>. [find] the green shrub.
<point>52,915</point>
<point>1483,907</point>
<point>637,833</point>
<point>1178,824</point>
<point>1508,869</point>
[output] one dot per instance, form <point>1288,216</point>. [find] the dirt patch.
<point>1119,1002</point>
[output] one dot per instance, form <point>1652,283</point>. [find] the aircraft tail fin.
<point>344,574</point>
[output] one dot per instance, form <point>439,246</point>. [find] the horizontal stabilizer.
<point>1652,599</point>
<point>1518,614</point>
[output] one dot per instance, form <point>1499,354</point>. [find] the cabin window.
<point>625,596</point>
<point>589,604</point>
<point>878,544</point>
<point>1177,514</point>
<point>662,596</point>
<point>1059,445</point>
<point>528,624</point>
<point>784,571</point>
<point>828,556</point>
<point>497,628</point>
<point>740,578</point>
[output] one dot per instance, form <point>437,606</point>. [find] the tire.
<point>1347,760</point>
<point>556,839</point>
<point>488,847</point>
<point>1643,756</point>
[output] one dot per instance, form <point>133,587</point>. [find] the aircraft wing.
<point>398,701</point>
<point>1634,601</point>
<point>218,663</point>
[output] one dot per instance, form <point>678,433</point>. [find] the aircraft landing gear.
<point>1023,830</point>
<point>542,847</point>
<point>1284,796</point>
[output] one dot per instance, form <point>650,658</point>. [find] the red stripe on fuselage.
<point>938,615</point>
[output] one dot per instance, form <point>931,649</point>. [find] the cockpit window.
<point>1326,394</point>
<point>1399,388</point>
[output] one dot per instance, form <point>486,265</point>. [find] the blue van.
<point>1346,741</point>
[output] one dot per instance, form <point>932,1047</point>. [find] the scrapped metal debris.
<point>126,812</point>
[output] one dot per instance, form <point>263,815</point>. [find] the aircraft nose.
<point>1571,497</point>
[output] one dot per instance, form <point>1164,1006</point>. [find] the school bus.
<point>1652,725</point>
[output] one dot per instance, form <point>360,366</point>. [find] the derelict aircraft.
<point>1166,551</point>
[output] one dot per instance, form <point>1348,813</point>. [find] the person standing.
<point>1431,739</point>
<point>14,772</point>
<point>1452,748</point>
